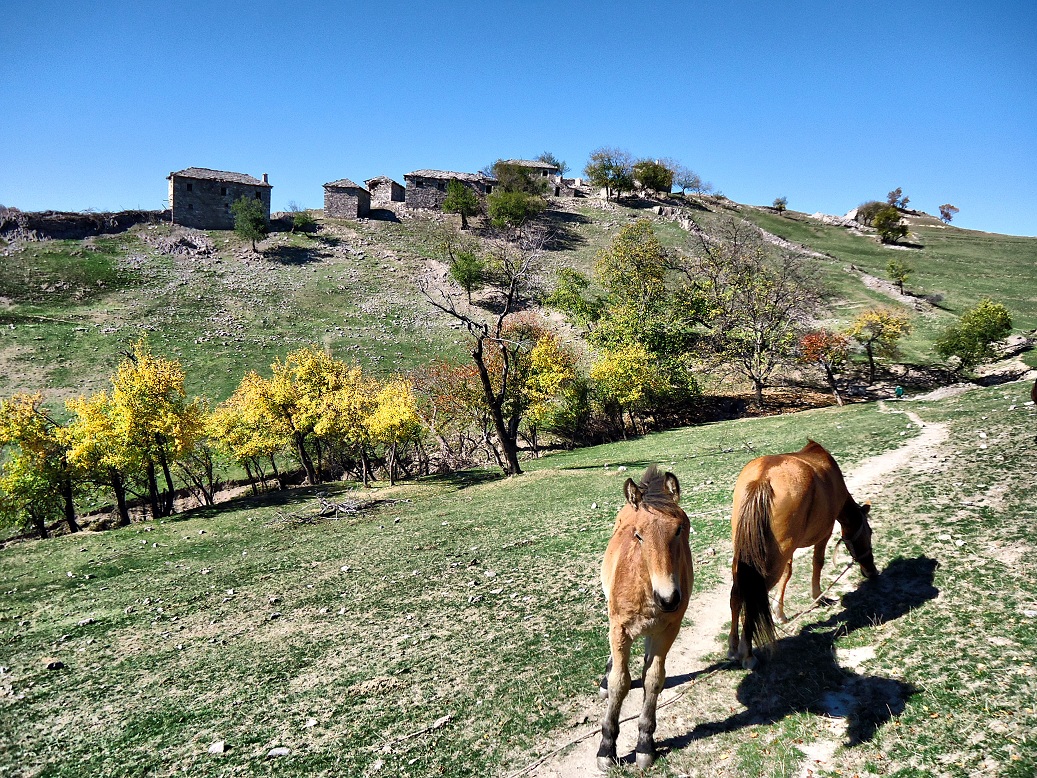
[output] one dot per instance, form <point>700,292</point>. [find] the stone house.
<point>538,168</point>
<point>345,200</point>
<point>384,190</point>
<point>201,198</point>
<point>427,188</point>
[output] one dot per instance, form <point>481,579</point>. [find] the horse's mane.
<point>653,489</point>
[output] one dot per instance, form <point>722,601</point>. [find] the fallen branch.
<point>439,723</point>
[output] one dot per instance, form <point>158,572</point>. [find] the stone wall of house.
<point>431,192</point>
<point>387,192</point>
<point>205,204</point>
<point>342,203</point>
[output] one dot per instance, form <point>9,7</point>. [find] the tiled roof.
<point>380,180</point>
<point>530,163</point>
<point>343,183</point>
<point>448,174</point>
<point>218,175</point>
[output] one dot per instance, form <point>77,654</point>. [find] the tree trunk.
<point>392,465</point>
<point>70,508</point>
<point>363,465</point>
<point>871,363</point>
<point>508,444</point>
<point>251,478</point>
<point>120,498</point>
<point>167,502</point>
<point>464,221</point>
<point>304,458</point>
<point>758,385</point>
<point>832,383</point>
<point>280,480</point>
<point>156,511</point>
<point>40,524</point>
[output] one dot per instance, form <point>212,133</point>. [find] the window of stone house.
<point>223,191</point>
<point>190,206</point>
<point>259,196</point>
<point>441,186</point>
<point>419,184</point>
<point>190,186</point>
<point>489,189</point>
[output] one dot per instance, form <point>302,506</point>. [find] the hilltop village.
<point>201,198</point>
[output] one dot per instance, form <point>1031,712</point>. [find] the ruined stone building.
<point>344,199</point>
<point>427,188</point>
<point>201,198</point>
<point>550,174</point>
<point>384,190</point>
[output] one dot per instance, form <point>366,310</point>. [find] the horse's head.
<point>857,537</point>
<point>660,528</point>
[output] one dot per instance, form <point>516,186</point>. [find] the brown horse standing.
<point>782,503</point>
<point>647,576</point>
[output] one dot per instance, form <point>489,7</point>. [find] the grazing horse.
<point>647,576</point>
<point>782,503</point>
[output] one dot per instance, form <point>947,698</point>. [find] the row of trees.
<point>617,171</point>
<point>144,436</point>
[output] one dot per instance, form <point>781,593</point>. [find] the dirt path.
<point>709,612</point>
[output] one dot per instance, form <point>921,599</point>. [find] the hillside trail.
<point>709,611</point>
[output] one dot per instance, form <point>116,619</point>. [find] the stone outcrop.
<point>63,225</point>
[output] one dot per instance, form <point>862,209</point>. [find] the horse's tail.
<point>752,538</point>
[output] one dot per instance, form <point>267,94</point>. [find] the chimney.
<point>264,179</point>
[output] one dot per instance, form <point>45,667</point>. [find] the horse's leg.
<point>656,648</point>
<point>736,614</point>
<point>786,574</point>
<point>618,686</point>
<point>603,687</point>
<point>815,575</point>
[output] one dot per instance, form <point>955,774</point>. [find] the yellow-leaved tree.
<point>244,427</point>
<point>557,396</point>
<point>625,379</point>
<point>36,479</point>
<point>393,421</point>
<point>160,424</point>
<point>879,330</point>
<point>99,448</point>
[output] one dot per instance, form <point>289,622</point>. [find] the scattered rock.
<point>279,751</point>
<point>219,747</point>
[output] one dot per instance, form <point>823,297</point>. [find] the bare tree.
<point>509,287</point>
<point>755,301</point>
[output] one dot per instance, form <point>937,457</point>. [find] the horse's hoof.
<point>606,763</point>
<point>644,760</point>
<point>781,619</point>
<point>750,663</point>
<point>603,692</point>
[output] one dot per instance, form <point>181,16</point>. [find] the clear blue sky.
<point>829,104</point>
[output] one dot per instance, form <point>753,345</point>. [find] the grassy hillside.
<point>476,598</point>
<point>68,308</point>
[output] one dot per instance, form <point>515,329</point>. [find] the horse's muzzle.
<point>668,604</point>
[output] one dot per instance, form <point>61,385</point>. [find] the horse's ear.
<point>866,508</point>
<point>673,486</point>
<point>633,494</point>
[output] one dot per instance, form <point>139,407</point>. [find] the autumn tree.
<point>879,331</point>
<point>558,396</point>
<point>828,350</point>
<point>899,271</point>
<point>610,169</point>
<point>161,425</point>
<point>451,403</point>
<point>510,288</point>
<point>100,447</point>
<point>250,219</point>
<point>393,421</point>
<point>947,213</point>
<point>752,301</point>
<point>461,200</point>
<point>246,429</point>
<point>37,481</point>
<point>626,379</point>
<point>971,339</point>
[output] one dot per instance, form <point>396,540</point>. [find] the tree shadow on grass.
<point>462,479</point>
<point>293,255</point>
<point>562,225</point>
<point>800,674</point>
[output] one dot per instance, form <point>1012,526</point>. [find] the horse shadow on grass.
<point>801,675</point>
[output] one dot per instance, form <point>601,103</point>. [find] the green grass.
<point>474,596</point>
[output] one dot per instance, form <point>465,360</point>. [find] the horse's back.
<point>807,489</point>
